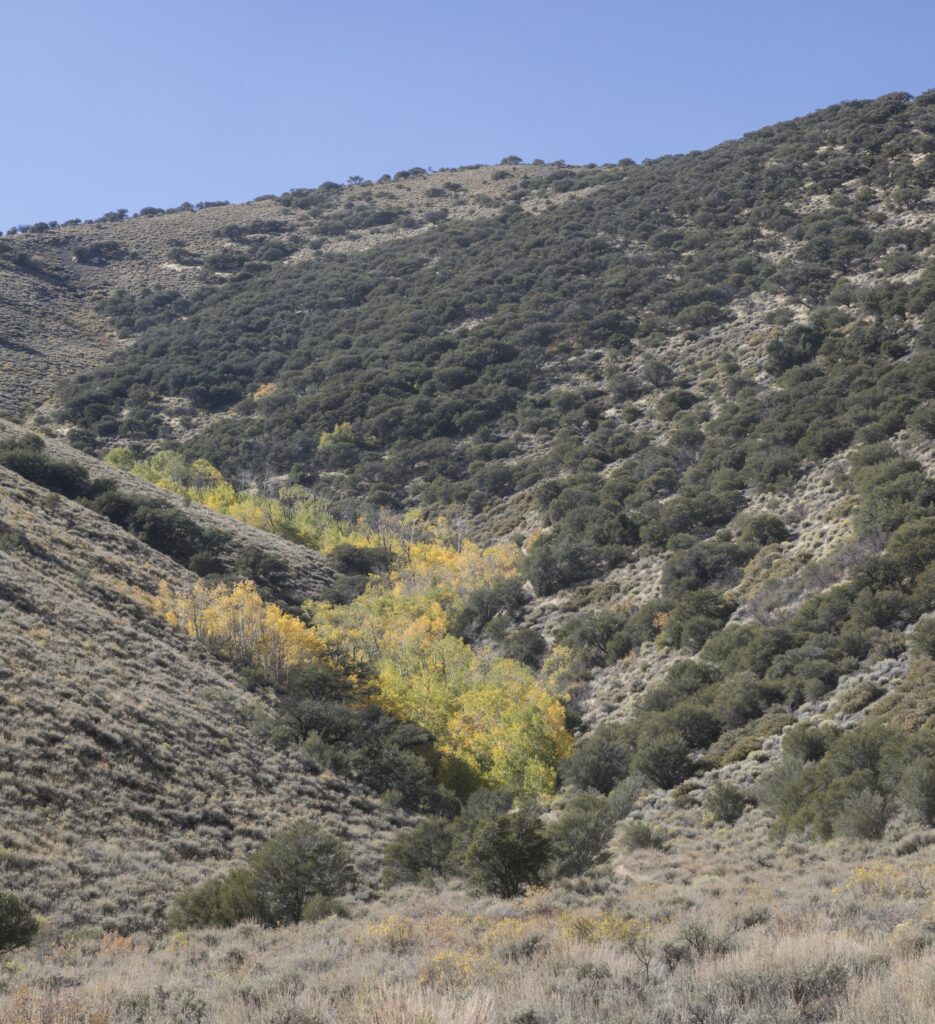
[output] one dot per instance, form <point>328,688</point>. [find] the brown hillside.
<point>129,766</point>
<point>305,573</point>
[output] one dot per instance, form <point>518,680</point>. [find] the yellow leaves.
<point>452,573</point>
<point>452,970</point>
<point>610,927</point>
<point>885,879</point>
<point>122,458</point>
<point>293,513</point>
<point>491,714</point>
<point>491,717</point>
<point>558,671</point>
<point>342,433</point>
<point>241,627</point>
<point>397,934</point>
<point>510,729</point>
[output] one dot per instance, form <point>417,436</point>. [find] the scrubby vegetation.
<point>284,883</point>
<point>624,486</point>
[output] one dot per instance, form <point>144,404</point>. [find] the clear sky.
<point>130,103</point>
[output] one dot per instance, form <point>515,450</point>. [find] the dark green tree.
<point>508,854</point>
<point>18,927</point>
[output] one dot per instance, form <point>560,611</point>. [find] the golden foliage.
<point>490,716</point>
<point>240,626</point>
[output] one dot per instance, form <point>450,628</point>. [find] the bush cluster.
<point>851,783</point>
<point>288,876</point>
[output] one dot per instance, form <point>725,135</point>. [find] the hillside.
<point>595,509</point>
<point>628,367</point>
<point>54,278</point>
<point>130,767</point>
<point>297,572</point>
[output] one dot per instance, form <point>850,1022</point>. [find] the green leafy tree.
<point>18,927</point>
<point>508,854</point>
<point>300,861</point>
<point>918,789</point>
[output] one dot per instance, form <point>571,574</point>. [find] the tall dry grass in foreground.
<point>850,943</point>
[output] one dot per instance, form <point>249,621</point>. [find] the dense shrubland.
<point>378,341</point>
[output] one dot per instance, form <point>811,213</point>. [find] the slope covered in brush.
<point>697,390</point>
<point>467,363</point>
<point>133,761</point>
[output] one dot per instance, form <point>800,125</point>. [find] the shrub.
<point>580,836</point>
<point>601,759</point>
<point>596,638</point>
<point>805,742</point>
<point>556,563</point>
<point>683,679</point>
<point>923,638</point>
<point>219,903</point>
<point>318,907</point>
<point>66,478</point>
<point>525,645</point>
<point>697,616</point>
<point>664,760</point>
<point>359,560</point>
<point>863,815</point>
<point>797,345</point>
<point>418,853</point>
<point>764,529</point>
<point>504,597</point>
<point>725,802</point>
<point>508,854</point>
<point>851,790</point>
<point>18,927</point>
<point>637,835</point>
<point>300,861</point>
<point>623,797</point>
<point>918,789</point>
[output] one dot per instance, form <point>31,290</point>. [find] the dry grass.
<point>305,573</point>
<point>848,941</point>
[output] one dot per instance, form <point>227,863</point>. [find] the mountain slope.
<point>697,393</point>
<point>53,279</point>
<point>129,764</point>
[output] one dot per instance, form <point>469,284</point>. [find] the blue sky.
<point>111,104</point>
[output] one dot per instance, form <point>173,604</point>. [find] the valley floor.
<point>725,925</point>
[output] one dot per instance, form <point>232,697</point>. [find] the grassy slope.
<point>305,574</point>
<point>730,930</point>
<point>128,767</point>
